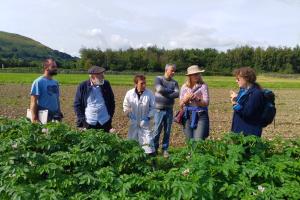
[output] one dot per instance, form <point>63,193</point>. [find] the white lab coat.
<point>139,129</point>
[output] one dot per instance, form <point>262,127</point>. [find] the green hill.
<point>17,50</point>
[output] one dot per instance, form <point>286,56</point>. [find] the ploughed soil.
<point>15,99</point>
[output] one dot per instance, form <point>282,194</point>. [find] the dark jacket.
<point>246,118</point>
<point>82,95</point>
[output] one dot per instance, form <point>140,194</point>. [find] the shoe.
<point>165,154</point>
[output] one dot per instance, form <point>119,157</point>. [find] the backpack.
<point>269,110</point>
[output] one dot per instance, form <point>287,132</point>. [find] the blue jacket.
<point>247,113</point>
<point>82,95</point>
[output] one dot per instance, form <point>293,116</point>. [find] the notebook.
<point>43,116</point>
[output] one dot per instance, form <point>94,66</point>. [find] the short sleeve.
<point>35,88</point>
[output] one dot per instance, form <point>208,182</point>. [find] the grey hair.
<point>170,65</point>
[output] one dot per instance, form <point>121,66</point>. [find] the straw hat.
<point>194,69</point>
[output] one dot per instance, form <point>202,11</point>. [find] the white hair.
<point>170,65</point>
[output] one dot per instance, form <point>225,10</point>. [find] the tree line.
<point>153,59</point>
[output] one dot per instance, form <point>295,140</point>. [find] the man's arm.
<point>58,102</point>
<point>175,93</point>
<point>79,108</point>
<point>34,109</point>
<point>112,99</point>
<point>151,105</point>
<point>160,88</point>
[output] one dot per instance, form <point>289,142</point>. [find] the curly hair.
<point>247,73</point>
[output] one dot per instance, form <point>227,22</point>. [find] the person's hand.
<point>131,116</point>
<point>112,130</point>
<point>145,122</point>
<point>127,111</point>
<point>168,90</point>
<point>188,97</point>
<point>35,121</point>
<point>233,96</point>
<point>198,97</point>
<point>82,129</point>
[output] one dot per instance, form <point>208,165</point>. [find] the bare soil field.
<point>14,100</point>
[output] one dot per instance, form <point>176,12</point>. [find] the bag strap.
<point>196,89</point>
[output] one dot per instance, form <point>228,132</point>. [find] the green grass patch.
<point>127,80</point>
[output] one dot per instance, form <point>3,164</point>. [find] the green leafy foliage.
<point>153,59</point>
<point>56,162</point>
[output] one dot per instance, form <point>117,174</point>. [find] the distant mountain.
<point>17,50</point>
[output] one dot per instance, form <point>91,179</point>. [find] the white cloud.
<point>95,32</point>
<point>149,44</point>
<point>193,37</point>
<point>117,41</point>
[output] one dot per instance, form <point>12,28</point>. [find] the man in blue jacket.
<point>94,102</point>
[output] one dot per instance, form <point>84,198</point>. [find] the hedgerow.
<point>55,161</point>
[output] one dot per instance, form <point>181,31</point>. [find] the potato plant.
<point>58,162</point>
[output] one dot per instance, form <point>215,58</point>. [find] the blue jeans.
<point>163,118</point>
<point>202,129</point>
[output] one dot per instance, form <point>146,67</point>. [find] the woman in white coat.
<point>138,106</point>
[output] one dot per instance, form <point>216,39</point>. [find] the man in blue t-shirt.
<point>45,93</point>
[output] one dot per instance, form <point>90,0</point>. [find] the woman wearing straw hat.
<point>194,99</point>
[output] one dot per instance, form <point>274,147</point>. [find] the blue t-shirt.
<point>47,91</point>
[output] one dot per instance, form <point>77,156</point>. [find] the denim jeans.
<point>202,129</point>
<point>163,119</point>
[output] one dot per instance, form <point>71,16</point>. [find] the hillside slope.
<point>18,50</point>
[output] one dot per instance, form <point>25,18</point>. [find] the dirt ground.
<point>14,100</point>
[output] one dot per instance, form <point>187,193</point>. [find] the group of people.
<point>94,104</point>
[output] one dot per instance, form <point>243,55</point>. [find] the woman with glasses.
<point>247,104</point>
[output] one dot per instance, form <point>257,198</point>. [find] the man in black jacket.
<point>94,102</point>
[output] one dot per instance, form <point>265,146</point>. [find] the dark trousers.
<point>106,127</point>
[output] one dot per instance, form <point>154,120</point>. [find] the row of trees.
<point>153,59</point>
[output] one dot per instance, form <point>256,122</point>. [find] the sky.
<point>69,25</point>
